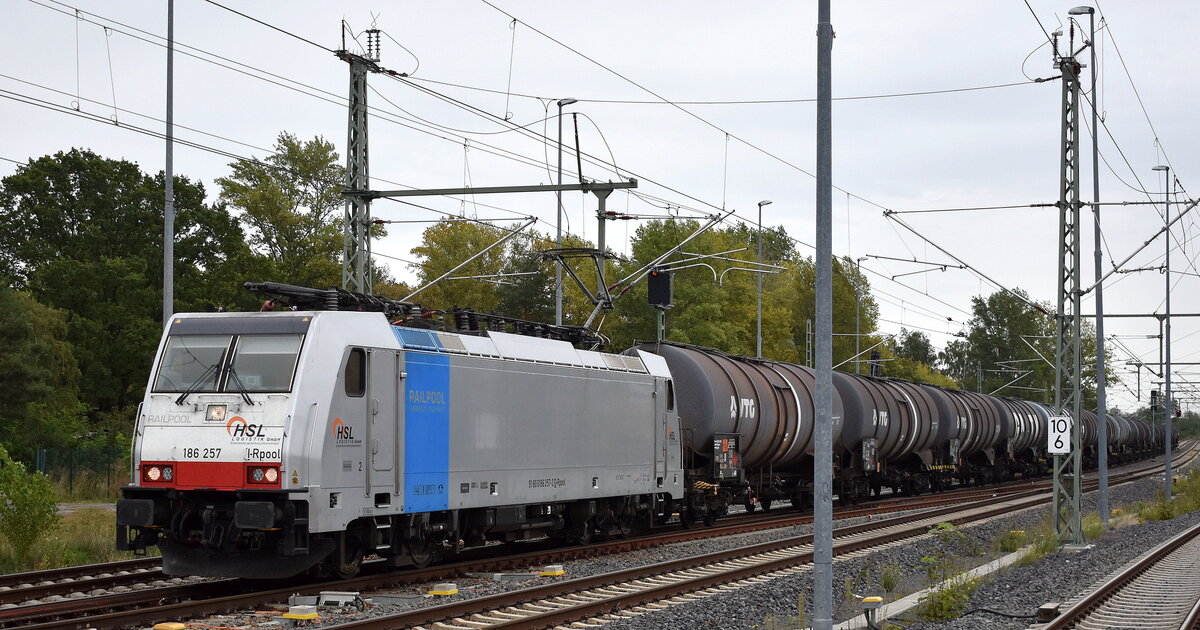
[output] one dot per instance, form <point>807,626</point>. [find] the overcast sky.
<point>965,149</point>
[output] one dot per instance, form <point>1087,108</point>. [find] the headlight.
<point>153,473</point>
<point>262,474</point>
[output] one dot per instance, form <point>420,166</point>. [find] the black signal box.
<point>659,288</point>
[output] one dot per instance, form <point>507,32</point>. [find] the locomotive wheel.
<point>346,560</point>
<point>422,551</point>
<point>710,518</point>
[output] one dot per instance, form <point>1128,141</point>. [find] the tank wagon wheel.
<point>585,532</point>
<point>766,504</point>
<point>750,505</point>
<point>625,525</point>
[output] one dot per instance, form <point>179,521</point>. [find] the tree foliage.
<point>291,205</point>
<point>85,237</point>
<point>1009,348</point>
<point>28,509</point>
<point>39,379</point>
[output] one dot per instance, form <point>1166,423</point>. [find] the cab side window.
<point>355,372</point>
<point>670,396</point>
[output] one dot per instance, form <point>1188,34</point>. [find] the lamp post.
<point>758,335</point>
<point>1101,403</point>
<point>1168,406</point>
<point>558,291</point>
<point>857,317</point>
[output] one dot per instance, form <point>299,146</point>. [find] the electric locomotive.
<point>270,444</point>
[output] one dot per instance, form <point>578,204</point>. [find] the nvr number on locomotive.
<point>201,453</point>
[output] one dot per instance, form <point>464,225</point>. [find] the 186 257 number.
<point>201,453</point>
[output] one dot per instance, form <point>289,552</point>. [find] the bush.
<point>1011,540</point>
<point>1159,510</point>
<point>1092,527</point>
<point>28,509</point>
<point>889,578</point>
<point>947,603</point>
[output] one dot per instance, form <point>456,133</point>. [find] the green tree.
<point>445,245</point>
<point>712,308</point>
<point>914,345</point>
<point>529,297</point>
<point>292,206</point>
<point>910,355</point>
<point>39,379</point>
<point>28,509</point>
<point>85,236</point>
<point>1006,338</point>
<point>853,308</point>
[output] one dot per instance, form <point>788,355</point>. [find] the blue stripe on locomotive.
<point>426,432</point>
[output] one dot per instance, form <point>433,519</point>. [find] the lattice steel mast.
<point>1068,349</point>
<point>356,249</point>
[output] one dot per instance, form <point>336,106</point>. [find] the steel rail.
<point>1090,603</point>
<point>58,614</point>
<point>902,527</point>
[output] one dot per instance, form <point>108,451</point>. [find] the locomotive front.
<point>207,479</point>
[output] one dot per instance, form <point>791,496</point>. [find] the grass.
<point>1186,491</point>
<point>1092,527</point>
<point>890,577</point>
<point>947,603</point>
<point>84,486</point>
<point>86,536</point>
<point>1011,540</point>
<point>1041,541</point>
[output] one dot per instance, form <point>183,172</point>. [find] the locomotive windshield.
<point>204,363</point>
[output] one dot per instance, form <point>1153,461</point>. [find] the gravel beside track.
<point>1058,577</point>
<point>1061,577</point>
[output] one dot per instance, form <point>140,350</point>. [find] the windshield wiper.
<point>241,388</point>
<point>212,369</point>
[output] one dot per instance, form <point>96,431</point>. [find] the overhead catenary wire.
<point>760,101</point>
<point>902,284</point>
<point>516,20</point>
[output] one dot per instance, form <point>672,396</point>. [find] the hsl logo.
<point>243,428</point>
<point>341,431</point>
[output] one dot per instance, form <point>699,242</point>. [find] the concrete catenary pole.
<point>823,447</point>
<point>169,176</point>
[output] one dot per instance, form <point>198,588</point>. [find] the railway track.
<point>90,582</point>
<point>629,592</point>
<point>1158,590</point>
<point>141,594</point>
<point>155,600</point>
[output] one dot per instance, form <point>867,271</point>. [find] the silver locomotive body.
<point>388,441</point>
